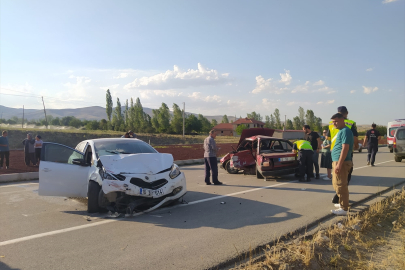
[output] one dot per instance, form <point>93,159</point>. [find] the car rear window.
<point>400,134</point>
<point>122,146</point>
<point>391,132</point>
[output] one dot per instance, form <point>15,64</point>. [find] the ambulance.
<point>391,128</point>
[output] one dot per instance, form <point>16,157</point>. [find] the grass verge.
<point>373,239</point>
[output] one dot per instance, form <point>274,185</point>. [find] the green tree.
<point>318,124</point>
<point>161,119</point>
<point>310,119</point>
<point>301,115</point>
<point>205,123</point>
<point>109,104</point>
<point>214,122</point>
<point>126,113</point>
<point>240,128</point>
<point>297,123</point>
<point>92,125</point>
<point>192,124</point>
<point>117,117</point>
<point>272,121</point>
<point>74,122</point>
<point>225,119</point>
<point>177,120</point>
<point>277,117</point>
<point>267,121</point>
<point>289,125</point>
<point>382,130</point>
<point>255,116</point>
<point>55,121</point>
<point>103,124</point>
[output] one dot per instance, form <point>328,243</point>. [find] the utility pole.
<point>46,120</point>
<point>22,122</point>
<point>285,121</point>
<point>184,112</point>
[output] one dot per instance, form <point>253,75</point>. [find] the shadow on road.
<point>4,266</point>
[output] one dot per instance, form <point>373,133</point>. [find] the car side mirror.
<point>79,161</point>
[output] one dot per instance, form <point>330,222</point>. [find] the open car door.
<point>62,171</point>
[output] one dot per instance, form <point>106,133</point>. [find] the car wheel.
<point>92,197</point>
<point>229,169</point>
<point>102,201</point>
<point>391,150</point>
<point>398,159</point>
<point>259,175</point>
<point>360,149</point>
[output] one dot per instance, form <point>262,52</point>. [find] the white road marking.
<point>26,238</point>
<point>368,166</point>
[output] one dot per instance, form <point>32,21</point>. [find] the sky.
<point>219,57</point>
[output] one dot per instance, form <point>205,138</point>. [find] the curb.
<point>14,177</point>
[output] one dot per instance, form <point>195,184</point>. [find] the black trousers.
<point>372,151</point>
<point>305,162</point>
<point>30,157</point>
<point>211,164</point>
<point>5,154</point>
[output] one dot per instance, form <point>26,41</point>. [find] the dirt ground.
<point>179,152</point>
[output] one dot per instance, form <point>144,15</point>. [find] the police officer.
<point>305,153</point>
<point>331,135</point>
<point>372,137</point>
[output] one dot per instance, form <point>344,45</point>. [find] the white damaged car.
<point>118,174</point>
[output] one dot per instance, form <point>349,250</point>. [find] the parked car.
<point>119,174</point>
<point>259,153</point>
<point>398,144</point>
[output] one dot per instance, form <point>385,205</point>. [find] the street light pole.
<point>184,112</point>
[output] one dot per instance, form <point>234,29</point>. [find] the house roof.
<point>247,121</point>
<point>223,126</point>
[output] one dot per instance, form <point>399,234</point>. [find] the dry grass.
<point>374,239</point>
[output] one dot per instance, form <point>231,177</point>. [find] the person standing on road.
<point>326,158</point>
<point>315,140</point>
<point>38,148</point>
<point>341,163</point>
<point>210,159</point>
<point>372,137</point>
<point>29,150</point>
<point>305,154</point>
<point>332,132</point>
<point>4,150</point>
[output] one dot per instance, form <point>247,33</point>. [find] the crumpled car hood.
<point>137,163</point>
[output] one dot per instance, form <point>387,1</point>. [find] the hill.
<point>87,113</point>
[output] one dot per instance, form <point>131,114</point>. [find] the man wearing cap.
<point>332,133</point>
<point>372,137</point>
<point>304,150</point>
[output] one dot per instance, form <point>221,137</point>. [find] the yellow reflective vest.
<point>334,131</point>
<point>302,144</point>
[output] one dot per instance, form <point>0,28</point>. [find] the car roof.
<point>114,139</point>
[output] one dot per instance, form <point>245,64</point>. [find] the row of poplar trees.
<point>132,117</point>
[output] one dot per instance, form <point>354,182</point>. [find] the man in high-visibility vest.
<point>305,152</point>
<point>331,135</point>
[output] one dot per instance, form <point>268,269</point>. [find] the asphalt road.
<point>219,221</point>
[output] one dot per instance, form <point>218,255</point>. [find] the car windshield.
<point>122,146</point>
<point>270,146</point>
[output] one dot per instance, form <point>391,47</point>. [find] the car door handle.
<point>46,170</point>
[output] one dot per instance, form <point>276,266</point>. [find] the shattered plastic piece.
<point>325,238</point>
<point>394,222</point>
<point>340,225</point>
<point>223,202</point>
<point>303,188</point>
<point>379,225</point>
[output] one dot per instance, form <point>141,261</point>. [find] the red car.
<point>259,153</point>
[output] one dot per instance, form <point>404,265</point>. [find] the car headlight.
<point>106,175</point>
<point>174,172</point>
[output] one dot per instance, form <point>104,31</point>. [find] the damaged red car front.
<point>261,154</point>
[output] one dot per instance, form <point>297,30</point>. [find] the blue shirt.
<point>344,136</point>
<point>4,140</point>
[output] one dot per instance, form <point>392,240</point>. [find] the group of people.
<point>340,140</point>
<point>32,150</point>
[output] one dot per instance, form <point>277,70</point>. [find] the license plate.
<point>286,159</point>
<point>158,192</point>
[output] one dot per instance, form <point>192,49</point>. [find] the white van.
<point>391,128</point>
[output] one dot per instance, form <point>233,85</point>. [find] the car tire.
<point>229,169</point>
<point>259,175</point>
<point>398,159</point>
<point>92,197</point>
<point>360,149</point>
<point>391,150</point>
